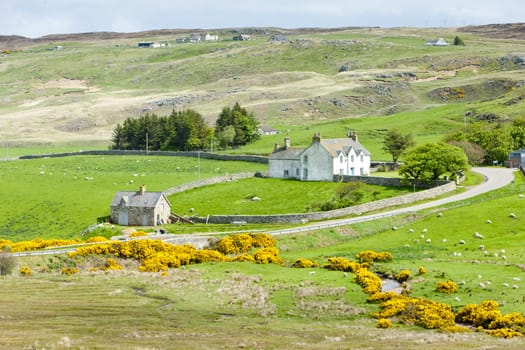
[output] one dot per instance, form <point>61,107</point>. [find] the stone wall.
<point>204,155</point>
<point>355,210</point>
<point>388,181</point>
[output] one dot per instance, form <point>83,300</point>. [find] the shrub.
<point>368,280</point>
<point>138,234</point>
<point>25,271</point>
<point>304,263</point>
<point>112,264</point>
<point>243,258</point>
<point>447,287</point>
<point>97,239</point>
<point>403,276</point>
<point>504,333</point>
<point>370,256</point>
<point>268,256</point>
<point>383,323</point>
<point>69,270</point>
<point>342,264</point>
<point>422,271</point>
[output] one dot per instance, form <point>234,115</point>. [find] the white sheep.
<point>512,215</point>
<point>411,230</point>
<point>505,284</point>
<point>481,247</point>
<point>424,230</point>
<point>480,277</point>
<point>502,251</point>
<point>440,215</point>
<point>311,273</point>
<point>428,240</point>
<point>504,257</point>
<point>486,253</point>
<point>394,228</point>
<point>457,299</point>
<point>514,286</point>
<point>444,240</point>
<point>481,285</point>
<point>478,235</point>
<point>521,196</point>
<point>422,236</point>
<point>461,242</point>
<point>516,278</point>
<point>489,221</point>
<point>416,240</point>
<point>462,283</point>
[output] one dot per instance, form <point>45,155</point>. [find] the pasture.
<point>258,306</point>
<point>61,197</point>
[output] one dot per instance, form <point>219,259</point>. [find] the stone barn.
<point>140,208</point>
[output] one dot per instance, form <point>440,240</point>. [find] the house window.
<point>362,171</point>
<point>361,158</point>
<point>305,159</point>
<point>352,158</point>
<point>297,172</point>
<point>341,159</point>
<point>286,173</point>
<point>352,171</point>
<point>305,173</point>
<point>341,171</point>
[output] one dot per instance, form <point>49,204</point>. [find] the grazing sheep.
<point>462,242</point>
<point>516,278</point>
<point>478,235</point>
<point>462,283</point>
<point>440,215</point>
<point>411,230</point>
<point>480,277</point>
<point>481,247</point>
<point>424,230</point>
<point>481,285</point>
<point>512,215</point>
<point>502,251</point>
<point>345,274</point>
<point>428,240</point>
<point>495,255</point>
<point>505,284</point>
<point>394,228</point>
<point>422,236</point>
<point>416,240</point>
<point>514,286</point>
<point>311,273</point>
<point>42,172</point>
<point>457,299</point>
<point>521,196</point>
<point>504,257</point>
<point>444,240</point>
<point>489,221</point>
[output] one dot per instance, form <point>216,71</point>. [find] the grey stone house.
<point>140,208</point>
<point>321,161</point>
<point>517,159</point>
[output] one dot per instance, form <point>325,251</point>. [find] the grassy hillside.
<point>367,79</point>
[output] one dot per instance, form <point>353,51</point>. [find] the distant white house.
<point>267,130</point>
<point>320,161</point>
<point>242,37</point>
<point>209,37</point>
<point>438,42</point>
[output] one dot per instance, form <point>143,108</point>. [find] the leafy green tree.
<point>458,41</point>
<point>475,154</point>
<point>430,161</point>
<point>517,133</point>
<point>243,122</point>
<point>396,144</point>
<point>226,136</point>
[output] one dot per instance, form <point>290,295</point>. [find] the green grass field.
<point>60,197</point>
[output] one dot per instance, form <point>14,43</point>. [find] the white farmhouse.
<point>320,161</point>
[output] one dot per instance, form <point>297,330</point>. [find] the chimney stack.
<point>317,138</point>
<point>287,142</point>
<point>142,189</point>
<point>353,135</point>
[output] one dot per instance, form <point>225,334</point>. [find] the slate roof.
<point>293,153</point>
<point>136,199</point>
<point>335,146</point>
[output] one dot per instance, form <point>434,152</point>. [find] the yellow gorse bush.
<point>403,276</point>
<point>368,280</point>
<point>25,271</point>
<point>342,264</point>
<point>448,287</point>
<point>304,263</point>
<point>370,256</point>
<point>36,244</point>
<point>243,243</point>
<point>138,234</point>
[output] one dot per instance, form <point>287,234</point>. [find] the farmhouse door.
<point>144,219</point>
<point>123,217</point>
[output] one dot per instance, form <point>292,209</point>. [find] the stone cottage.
<point>517,159</point>
<point>320,161</point>
<point>140,208</point>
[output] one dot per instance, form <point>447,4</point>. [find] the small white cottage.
<point>140,208</point>
<point>320,161</point>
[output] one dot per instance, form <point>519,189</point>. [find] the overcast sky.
<point>34,18</point>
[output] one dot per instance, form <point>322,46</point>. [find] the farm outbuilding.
<point>517,159</point>
<point>140,208</point>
